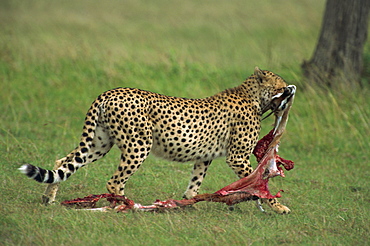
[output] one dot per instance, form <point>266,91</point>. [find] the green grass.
<point>56,57</point>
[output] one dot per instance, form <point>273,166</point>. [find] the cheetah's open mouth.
<point>280,102</point>
<point>281,105</point>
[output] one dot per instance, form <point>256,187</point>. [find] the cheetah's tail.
<point>44,176</point>
<point>76,159</point>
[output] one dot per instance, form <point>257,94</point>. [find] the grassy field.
<point>56,57</point>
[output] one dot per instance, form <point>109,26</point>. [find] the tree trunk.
<point>338,59</point>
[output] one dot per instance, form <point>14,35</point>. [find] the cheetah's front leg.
<point>243,169</point>
<point>276,206</point>
<point>198,174</point>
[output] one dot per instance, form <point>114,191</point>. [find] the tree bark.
<point>338,58</point>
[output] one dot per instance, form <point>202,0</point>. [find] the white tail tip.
<point>23,169</point>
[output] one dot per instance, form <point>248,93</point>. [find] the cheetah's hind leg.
<point>101,144</point>
<point>52,189</point>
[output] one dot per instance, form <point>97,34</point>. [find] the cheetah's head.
<point>275,93</point>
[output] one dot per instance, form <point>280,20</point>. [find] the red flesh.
<point>261,148</point>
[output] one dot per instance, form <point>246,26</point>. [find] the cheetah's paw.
<point>280,209</point>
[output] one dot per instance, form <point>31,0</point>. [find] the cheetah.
<point>177,129</point>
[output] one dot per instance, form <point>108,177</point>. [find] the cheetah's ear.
<point>259,73</point>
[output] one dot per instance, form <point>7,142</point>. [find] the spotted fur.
<point>176,129</point>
